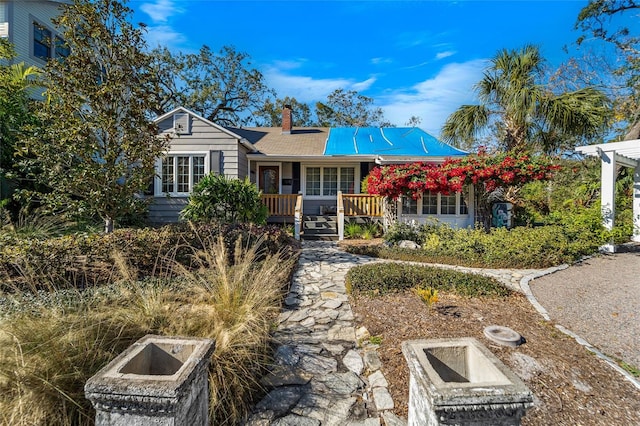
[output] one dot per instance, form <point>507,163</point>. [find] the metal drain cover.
<point>503,335</point>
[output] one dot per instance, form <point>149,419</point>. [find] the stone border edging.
<point>526,289</point>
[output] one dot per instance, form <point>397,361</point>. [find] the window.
<point>62,49</point>
<point>313,181</point>
<point>327,181</point>
<point>430,203</point>
<point>448,204</point>
<point>464,199</point>
<point>437,204</point>
<point>41,41</point>
<point>330,186</point>
<point>180,173</point>
<point>409,205</point>
<point>347,180</point>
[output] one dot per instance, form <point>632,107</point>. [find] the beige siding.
<point>22,15</point>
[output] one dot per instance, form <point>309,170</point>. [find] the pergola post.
<point>612,154</point>
<point>608,193</point>
<point>636,205</point>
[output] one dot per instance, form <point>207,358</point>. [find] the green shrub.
<point>87,260</point>
<point>382,278</point>
<point>401,231</point>
<point>569,238</point>
<point>225,200</point>
<point>352,230</point>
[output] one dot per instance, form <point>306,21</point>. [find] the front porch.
<point>322,219</point>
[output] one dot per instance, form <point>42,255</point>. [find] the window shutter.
<point>216,162</point>
<point>296,177</point>
<point>182,123</point>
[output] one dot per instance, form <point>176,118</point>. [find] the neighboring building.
<point>315,163</point>
<point>27,24</point>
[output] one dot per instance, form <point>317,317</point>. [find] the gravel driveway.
<point>598,299</point>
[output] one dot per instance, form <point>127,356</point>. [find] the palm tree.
<point>524,113</point>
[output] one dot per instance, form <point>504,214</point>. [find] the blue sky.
<point>414,58</point>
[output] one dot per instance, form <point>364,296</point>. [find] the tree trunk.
<point>634,132</point>
<point>108,225</point>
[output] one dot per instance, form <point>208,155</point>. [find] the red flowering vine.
<point>490,171</point>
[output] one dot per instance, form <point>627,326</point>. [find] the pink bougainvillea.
<point>490,171</point>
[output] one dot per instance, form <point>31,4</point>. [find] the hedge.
<point>382,278</point>
<point>84,260</point>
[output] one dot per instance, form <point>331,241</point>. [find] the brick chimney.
<point>287,121</point>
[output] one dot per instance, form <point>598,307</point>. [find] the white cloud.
<point>435,99</point>
<point>363,85</point>
<point>380,61</point>
<point>160,10</point>
<point>445,54</point>
<point>164,35</point>
<point>307,89</point>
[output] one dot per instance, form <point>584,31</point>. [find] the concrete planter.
<point>460,382</point>
<point>157,380</point>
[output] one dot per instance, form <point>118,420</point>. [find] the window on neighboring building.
<point>41,41</point>
<point>327,181</point>
<point>180,173</point>
<point>62,49</point>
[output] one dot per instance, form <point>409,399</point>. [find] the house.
<point>28,25</point>
<point>318,169</point>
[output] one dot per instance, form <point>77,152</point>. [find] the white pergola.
<point>612,154</point>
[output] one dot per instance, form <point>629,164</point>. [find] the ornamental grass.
<point>55,341</point>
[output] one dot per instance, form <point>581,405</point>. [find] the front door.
<point>269,179</point>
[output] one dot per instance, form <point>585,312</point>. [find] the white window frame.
<point>158,179</point>
<point>303,178</point>
<point>438,208</point>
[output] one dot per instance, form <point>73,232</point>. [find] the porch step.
<point>320,228</point>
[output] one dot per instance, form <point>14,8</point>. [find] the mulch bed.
<point>571,386</point>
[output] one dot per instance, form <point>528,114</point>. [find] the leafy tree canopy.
<point>522,111</point>
<point>270,115</point>
<point>618,22</point>
<point>349,108</point>
<point>222,87</point>
<point>98,148</point>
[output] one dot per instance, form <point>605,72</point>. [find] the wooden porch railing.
<point>280,204</point>
<point>362,205</point>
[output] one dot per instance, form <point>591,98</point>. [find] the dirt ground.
<point>571,386</point>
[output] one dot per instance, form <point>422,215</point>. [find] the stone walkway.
<point>326,371</point>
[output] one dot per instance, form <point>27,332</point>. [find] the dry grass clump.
<point>50,348</point>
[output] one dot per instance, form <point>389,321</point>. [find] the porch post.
<point>636,204</point>
<point>608,193</point>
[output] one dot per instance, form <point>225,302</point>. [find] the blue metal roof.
<point>387,141</point>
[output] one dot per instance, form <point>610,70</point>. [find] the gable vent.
<point>182,123</point>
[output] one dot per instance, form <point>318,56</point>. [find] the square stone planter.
<point>460,382</point>
<point>158,380</point>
